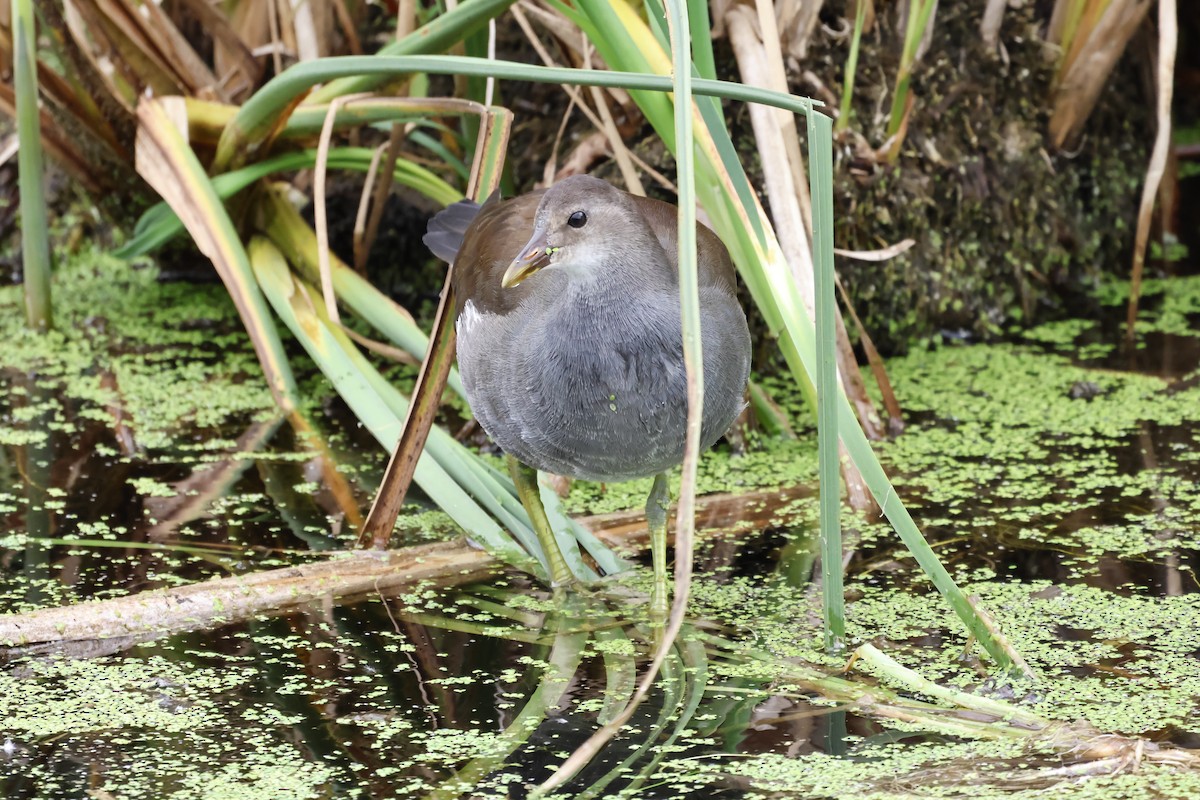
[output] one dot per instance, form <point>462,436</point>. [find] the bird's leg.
<point>525,477</point>
<point>656,520</point>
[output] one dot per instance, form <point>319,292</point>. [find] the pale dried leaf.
<point>883,254</point>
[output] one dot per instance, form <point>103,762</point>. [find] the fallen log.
<point>151,614</point>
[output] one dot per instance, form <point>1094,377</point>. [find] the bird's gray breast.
<point>583,390</point>
<point>595,388</point>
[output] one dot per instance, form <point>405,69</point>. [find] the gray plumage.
<point>578,369</point>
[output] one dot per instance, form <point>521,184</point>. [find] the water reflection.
<point>411,691</point>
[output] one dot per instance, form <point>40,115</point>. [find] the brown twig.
<point>1168,35</point>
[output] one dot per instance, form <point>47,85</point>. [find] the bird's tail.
<point>444,235</point>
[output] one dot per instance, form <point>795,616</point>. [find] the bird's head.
<point>581,222</point>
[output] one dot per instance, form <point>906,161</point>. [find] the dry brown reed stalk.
<point>375,194</point>
<point>878,368</point>
<point>238,71</point>
<point>772,38</point>
<point>620,151</point>
<point>372,197</point>
<point>139,51</point>
<point>75,154</point>
<point>1090,44</point>
<point>348,26</point>
<point>874,359</point>
<point>112,52</point>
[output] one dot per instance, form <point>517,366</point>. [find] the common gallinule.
<point>570,344</point>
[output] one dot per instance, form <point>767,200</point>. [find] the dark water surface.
<point>394,696</point>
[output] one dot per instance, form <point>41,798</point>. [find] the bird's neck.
<point>627,265</point>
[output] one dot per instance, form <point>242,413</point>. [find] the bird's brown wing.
<point>482,241</point>
<point>715,266</point>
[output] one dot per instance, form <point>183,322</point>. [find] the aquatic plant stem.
<point>913,681</point>
<point>258,117</point>
<point>833,604</point>
<point>845,109</point>
<point>919,14</point>
<point>423,404</point>
<point>171,168</point>
<point>35,236</point>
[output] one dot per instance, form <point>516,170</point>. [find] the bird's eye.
<point>577,220</point>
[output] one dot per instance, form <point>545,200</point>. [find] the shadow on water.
<point>402,695</point>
